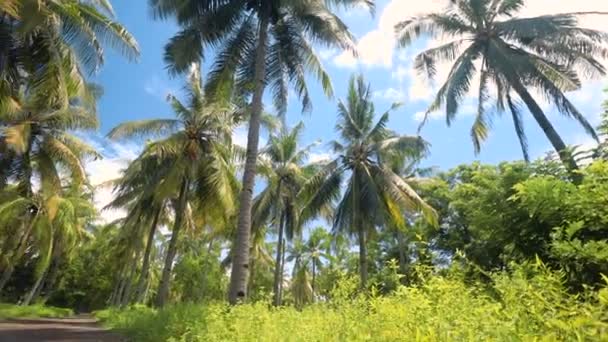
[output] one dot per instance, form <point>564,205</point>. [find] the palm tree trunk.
<point>19,251</point>
<point>401,247</point>
<point>362,257</point>
<point>50,281</point>
<point>126,296</point>
<point>145,268</point>
<point>282,270</point>
<point>32,293</point>
<point>314,275</point>
<point>277,267</point>
<point>163,288</point>
<point>546,126</point>
<point>240,262</point>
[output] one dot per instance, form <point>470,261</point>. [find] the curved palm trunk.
<point>163,288</point>
<point>362,257</point>
<point>546,126</point>
<point>145,268</point>
<point>19,251</point>
<point>240,262</point>
<point>34,290</point>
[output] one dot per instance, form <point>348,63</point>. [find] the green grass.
<point>32,311</point>
<point>516,308</point>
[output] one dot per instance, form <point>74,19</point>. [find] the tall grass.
<point>32,311</point>
<point>522,306</point>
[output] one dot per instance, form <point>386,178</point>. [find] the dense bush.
<point>528,304</point>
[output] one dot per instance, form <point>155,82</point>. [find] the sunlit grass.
<point>517,308</point>
<point>32,311</point>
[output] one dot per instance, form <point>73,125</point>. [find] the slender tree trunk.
<point>240,262</point>
<point>284,244</point>
<point>401,247</point>
<point>145,268</point>
<point>314,275</point>
<point>546,126</point>
<point>163,288</point>
<point>31,294</point>
<point>362,257</point>
<point>19,251</point>
<point>126,296</point>
<point>117,288</point>
<point>50,281</point>
<point>278,276</point>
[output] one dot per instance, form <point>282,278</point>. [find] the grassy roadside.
<point>32,311</point>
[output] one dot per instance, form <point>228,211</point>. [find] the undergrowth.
<point>528,304</point>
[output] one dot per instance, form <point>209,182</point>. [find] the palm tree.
<point>282,165</point>
<point>374,195</point>
<point>301,287</point>
<point>59,227</point>
<point>259,43</point>
<point>40,146</point>
<point>549,54</point>
<point>317,247</point>
<point>194,157</point>
<point>136,190</point>
<point>48,46</point>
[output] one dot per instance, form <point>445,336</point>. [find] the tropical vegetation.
<point>220,241</point>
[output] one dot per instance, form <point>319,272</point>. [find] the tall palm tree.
<point>40,146</point>
<point>374,195</point>
<point>549,54</point>
<point>194,157</point>
<point>260,43</point>
<point>282,166</point>
<point>49,46</point>
<point>136,191</point>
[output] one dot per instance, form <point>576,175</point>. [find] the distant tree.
<point>374,194</point>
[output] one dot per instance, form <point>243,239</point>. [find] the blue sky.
<point>138,90</point>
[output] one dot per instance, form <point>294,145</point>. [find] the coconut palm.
<point>59,226</point>
<point>40,146</point>
<point>135,190</point>
<point>301,287</point>
<point>374,195</point>
<point>259,44</point>
<point>317,247</point>
<point>512,56</point>
<point>49,45</point>
<point>194,157</point>
<point>282,166</point>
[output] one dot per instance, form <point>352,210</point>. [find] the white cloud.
<point>317,157</point>
<point>376,47</point>
<point>390,94</point>
<point>116,157</point>
<point>345,60</point>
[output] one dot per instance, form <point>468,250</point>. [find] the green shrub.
<point>529,304</point>
<point>32,311</point>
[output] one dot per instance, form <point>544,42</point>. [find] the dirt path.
<point>79,328</point>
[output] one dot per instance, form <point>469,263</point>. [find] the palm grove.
<point>195,232</point>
